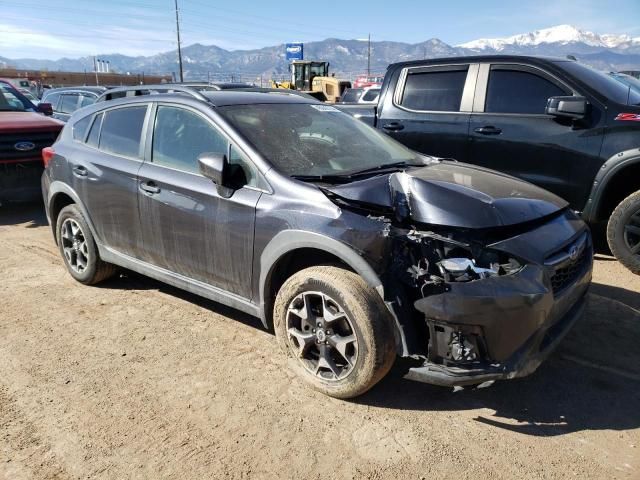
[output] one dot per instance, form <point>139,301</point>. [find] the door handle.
<point>80,171</point>
<point>488,130</point>
<point>149,187</point>
<point>393,127</point>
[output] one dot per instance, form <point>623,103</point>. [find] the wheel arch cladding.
<point>61,195</point>
<point>616,179</point>
<point>289,245</point>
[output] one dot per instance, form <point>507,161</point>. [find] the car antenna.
<point>572,57</point>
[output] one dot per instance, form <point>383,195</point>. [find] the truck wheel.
<point>78,248</point>
<point>623,232</point>
<point>337,330</point>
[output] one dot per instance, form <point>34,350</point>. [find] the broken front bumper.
<point>500,327</point>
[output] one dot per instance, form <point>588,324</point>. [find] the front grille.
<point>39,139</point>
<point>569,263</point>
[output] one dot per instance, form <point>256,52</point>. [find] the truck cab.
<point>554,122</point>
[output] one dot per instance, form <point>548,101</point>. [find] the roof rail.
<point>140,90</point>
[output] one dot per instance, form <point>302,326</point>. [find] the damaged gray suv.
<point>355,249</point>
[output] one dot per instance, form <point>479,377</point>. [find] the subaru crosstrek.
<point>353,247</point>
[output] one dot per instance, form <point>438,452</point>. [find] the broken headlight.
<point>489,264</point>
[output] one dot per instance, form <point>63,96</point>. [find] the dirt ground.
<point>134,379</point>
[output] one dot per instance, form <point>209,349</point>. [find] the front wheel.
<point>623,232</point>
<point>337,330</point>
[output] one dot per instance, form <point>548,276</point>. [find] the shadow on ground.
<point>31,214</point>
<point>592,382</point>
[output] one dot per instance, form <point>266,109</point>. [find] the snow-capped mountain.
<point>349,57</point>
<point>561,34</point>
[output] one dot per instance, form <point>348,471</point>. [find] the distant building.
<point>70,79</point>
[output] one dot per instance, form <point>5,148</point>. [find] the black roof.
<point>483,58</point>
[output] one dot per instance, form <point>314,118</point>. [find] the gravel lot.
<point>134,379</point>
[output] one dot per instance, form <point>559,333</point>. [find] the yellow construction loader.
<point>313,78</point>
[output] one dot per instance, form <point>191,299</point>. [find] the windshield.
<point>603,83</point>
<point>628,80</point>
<point>13,101</point>
<point>315,140</point>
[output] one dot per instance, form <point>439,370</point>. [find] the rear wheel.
<point>623,232</point>
<point>78,248</point>
<point>337,330</point>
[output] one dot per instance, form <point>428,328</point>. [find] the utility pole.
<point>369,56</point>
<point>179,48</point>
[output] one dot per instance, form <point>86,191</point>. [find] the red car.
<point>23,134</point>
<point>368,81</point>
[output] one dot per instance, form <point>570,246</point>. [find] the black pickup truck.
<point>554,122</point>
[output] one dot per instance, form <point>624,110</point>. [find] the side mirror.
<point>212,166</point>
<point>567,107</point>
<point>45,108</point>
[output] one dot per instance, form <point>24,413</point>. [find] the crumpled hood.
<point>453,194</point>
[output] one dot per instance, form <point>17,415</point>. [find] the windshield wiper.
<point>346,177</point>
<point>380,168</point>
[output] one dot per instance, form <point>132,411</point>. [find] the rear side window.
<point>437,90</point>
<point>68,103</point>
<point>515,91</point>
<point>80,128</point>
<point>371,95</point>
<point>121,131</point>
<point>94,134</point>
<point>180,136</point>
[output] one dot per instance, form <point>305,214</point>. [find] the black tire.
<point>623,232</point>
<point>91,269</point>
<point>355,310</point>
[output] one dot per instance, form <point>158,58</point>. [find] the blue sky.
<point>56,28</point>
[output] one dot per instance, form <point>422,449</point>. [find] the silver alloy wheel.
<point>74,245</point>
<point>632,233</point>
<point>322,335</point>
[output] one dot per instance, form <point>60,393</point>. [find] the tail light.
<point>47,155</point>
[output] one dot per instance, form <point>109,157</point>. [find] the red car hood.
<point>27,122</point>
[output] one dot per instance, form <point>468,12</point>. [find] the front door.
<point>188,227</point>
<point>511,133</point>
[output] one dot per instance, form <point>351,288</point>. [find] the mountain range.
<point>349,57</point>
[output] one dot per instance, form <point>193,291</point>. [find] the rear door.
<point>105,174</point>
<point>430,108</point>
<point>190,227</point>
<point>510,131</point>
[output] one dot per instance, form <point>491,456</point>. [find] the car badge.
<point>573,253</point>
<point>24,146</point>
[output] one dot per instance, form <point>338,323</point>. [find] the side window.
<point>516,91</point>
<point>180,136</point>
<point>52,99</point>
<point>86,100</point>
<point>436,90</point>
<point>121,131</point>
<point>243,171</point>
<point>94,133</point>
<point>80,128</point>
<point>371,95</point>
<point>68,103</point>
